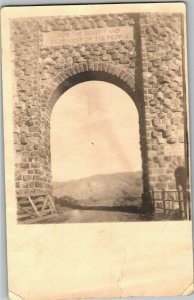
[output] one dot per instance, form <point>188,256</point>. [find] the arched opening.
<point>122,80</point>
<point>95,149</point>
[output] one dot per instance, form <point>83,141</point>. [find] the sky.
<point>94,130</point>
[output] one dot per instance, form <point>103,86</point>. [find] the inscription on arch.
<point>87,36</point>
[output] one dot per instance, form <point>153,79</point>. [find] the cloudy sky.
<point>94,130</point>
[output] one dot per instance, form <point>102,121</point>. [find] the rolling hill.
<point>110,189</point>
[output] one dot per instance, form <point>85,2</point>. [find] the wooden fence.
<point>35,209</point>
<point>172,201</point>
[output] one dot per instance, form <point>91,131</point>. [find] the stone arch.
<point>145,64</point>
<point>100,72</point>
<point>86,72</point>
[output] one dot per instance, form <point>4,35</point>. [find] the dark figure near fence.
<point>183,191</point>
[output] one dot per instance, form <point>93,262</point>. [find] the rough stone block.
<point>155,134</point>
<point>171,140</point>
<point>163,79</point>
<point>167,133</point>
<point>38,184</point>
<point>24,165</point>
<point>167,57</point>
<point>24,140</point>
<point>35,153</point>
<point>153,102</point>
<point>124,61</point>
<point>157,63</point>
<point>151,48</point>
<point>34,128</point>
<point>160,140</point>
<point>27,177</point>
<point>155,147</point>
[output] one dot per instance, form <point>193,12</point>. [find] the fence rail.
<point>172,201</point>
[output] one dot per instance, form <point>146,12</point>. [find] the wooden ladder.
<point>35,209</point>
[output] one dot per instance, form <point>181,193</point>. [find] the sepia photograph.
<point>100,118</point>
<point>97,151</point>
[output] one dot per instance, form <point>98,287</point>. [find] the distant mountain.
<point>109,189</point>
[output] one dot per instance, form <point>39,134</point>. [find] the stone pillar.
<point>163,97</point>
<point>27,108</point>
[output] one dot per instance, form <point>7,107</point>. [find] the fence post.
<point>187,204</point>
<point>153,199</point>
<point>181,201</point>
<point>163,199</point>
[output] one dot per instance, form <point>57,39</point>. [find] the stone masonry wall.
<point>150,64</point>
<point>27,107</point>
<point>58,63</point>
<point>163,97</point>
<point>40,69</point>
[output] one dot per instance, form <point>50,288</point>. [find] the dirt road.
<point>88,216</point>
